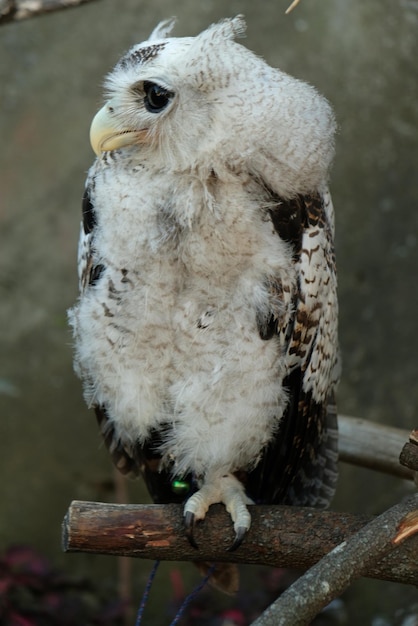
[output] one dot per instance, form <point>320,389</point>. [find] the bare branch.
<point>292,6</point>
<point>303,600</point>
<point>279,536</point>
<point>371,445</point>
<point>407,528</point>
<point>409,454</point>
<point>338,547</point>
<point>14,10</point>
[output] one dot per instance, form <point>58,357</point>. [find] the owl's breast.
<point>168,332</point>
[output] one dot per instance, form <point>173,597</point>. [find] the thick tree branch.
<point>337,547</point>
<point>303,600</point>
<point>409,454</point>
<point>373,446</point>
<point>14,10</point>
<point>279,536</point>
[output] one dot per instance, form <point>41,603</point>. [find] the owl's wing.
<point>299,466</point>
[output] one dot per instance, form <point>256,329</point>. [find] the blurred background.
<point>363,57</point>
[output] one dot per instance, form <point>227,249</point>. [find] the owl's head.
<point>208,105</point>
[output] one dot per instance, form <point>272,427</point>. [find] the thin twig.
<point>15,10</point>
<point>303,600</point>
<point>292,6</point>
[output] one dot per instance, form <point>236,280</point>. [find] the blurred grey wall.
<point>363,57</point>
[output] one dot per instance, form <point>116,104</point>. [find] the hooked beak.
<point>106,135</point>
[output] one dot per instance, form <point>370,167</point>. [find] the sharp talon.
<point>189,524</point>
<point>239,538</point>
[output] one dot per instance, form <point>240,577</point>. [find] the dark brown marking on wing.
<point>125,278</point>
<point>292,217</point>
<point>299,466</point>
<point>88,213</point>
<point>288,220</point>
<point>96,272</point>
<point>268,325</point>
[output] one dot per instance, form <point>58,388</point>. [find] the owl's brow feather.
<point>140,55</point>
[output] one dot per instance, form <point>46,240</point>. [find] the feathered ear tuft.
<point>238,26</point>
<point>229,28</point>
<point>162,29</point>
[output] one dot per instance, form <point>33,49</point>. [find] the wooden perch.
<point>335,548</point>
<point>374,446</point>
<point>279,536</point>
<point>409,454</point>
<point>16,10</point>
<point>303,600</point>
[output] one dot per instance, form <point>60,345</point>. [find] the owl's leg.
<point>228,490</point>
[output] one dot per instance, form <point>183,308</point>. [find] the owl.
<point>206,327</point>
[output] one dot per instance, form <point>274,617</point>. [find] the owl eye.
<point>156,97</point>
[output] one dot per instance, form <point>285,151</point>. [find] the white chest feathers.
<point>168,333</point>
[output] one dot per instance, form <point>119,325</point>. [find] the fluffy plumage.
<point>206,328</point>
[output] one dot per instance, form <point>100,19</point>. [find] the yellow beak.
<point>104,135</point>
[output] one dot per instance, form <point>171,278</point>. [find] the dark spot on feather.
<point>107,311</point>
<point>89,215</point>
<point>206,319</point>
<point>125,278</point>
<point>305,319</point>
<point>95,273</point>
<point>114,293</point>
<point>267,328</point>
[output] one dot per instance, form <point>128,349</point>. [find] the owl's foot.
<point>230,492</point>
